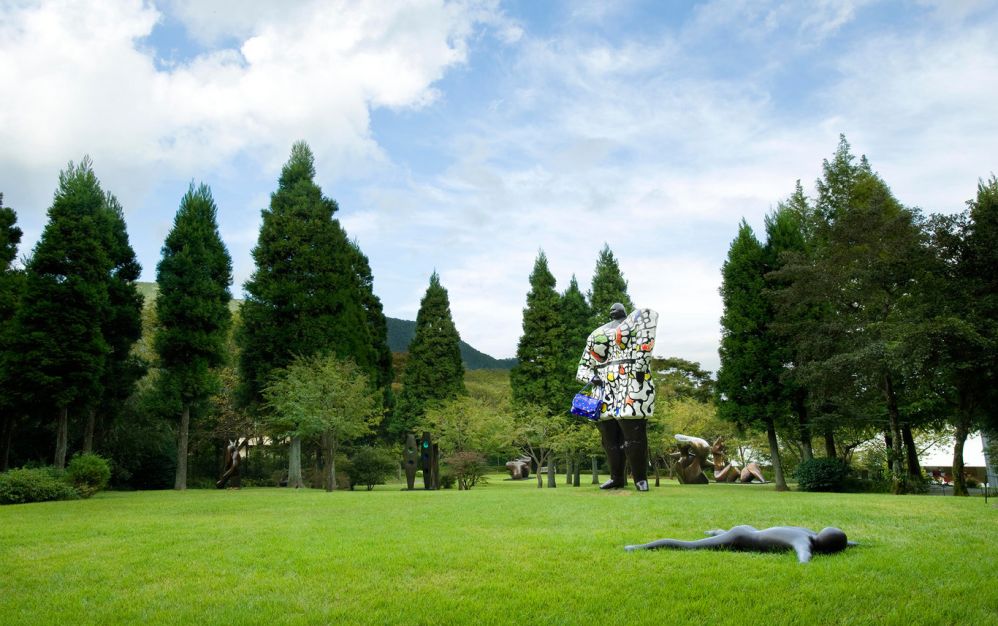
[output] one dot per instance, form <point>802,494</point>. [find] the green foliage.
<point>11,285</point>
<point>434,372</point>
<point>679,378</point>
<point>470,424</point>
<point>19,486</point>
<point>576,316</point>
<point>608,287</point>
<point>537,376</point>
<point>468,469</point>
<point>88,473</point>
<point>822,474</point>
<point>401,332</point>
<point>305,296</point>
<point>371,466</point>
<point>192,305</point>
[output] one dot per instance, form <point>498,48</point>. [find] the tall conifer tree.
<point>747,383</point>
<point>608,287</point>
<point>434,371</point>
<point>11,284</point>
<point>575,317</point>
<point>60,350</point>
<point>304,297</point>
<point>536,377</point>
<point>192,308</point>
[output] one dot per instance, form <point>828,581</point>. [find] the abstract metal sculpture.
<point>519,468</point>
<point>726,472</point>
<point>691,459</point>
<point>411,455</point>
<point>430,458</point>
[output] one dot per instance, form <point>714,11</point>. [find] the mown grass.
<point>501,554</point>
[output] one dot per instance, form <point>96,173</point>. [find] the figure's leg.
<point>636,448</point>
<point>725,539</point>
<point>613,445</point>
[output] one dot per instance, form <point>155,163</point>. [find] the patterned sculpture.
<point>617,358</point>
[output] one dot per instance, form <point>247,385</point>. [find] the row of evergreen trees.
<point>860,316</point>
<point>555,329</point>
<point>71,316</point>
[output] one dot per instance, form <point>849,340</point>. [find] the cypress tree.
<point>536,377</point>
<point>434,371</point>
<point>192,308</point>
<point>304,297</point>
<point>575,317</point>
<point>747,385</point>
<point>608,287</point>
<point>11,283</point>
<point>381,374</point>
<point>59,350</point>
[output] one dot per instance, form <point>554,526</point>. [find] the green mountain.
<point>400,333</point>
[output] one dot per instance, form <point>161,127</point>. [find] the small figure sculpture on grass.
<point>804,541</point>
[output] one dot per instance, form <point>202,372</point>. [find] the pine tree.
<point>11,284</point>
<point>304,298</point>
<point>122,320</point>
<point>536,377</point>
<point>608,287</point>
<point>434,371</point>
<point>381,374</point>
<point>575,315</point>
<point>59,350</point>
<point>747,385</point>
<point>192,308</point>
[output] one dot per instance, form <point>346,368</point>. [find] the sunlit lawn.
<point>504,553</point>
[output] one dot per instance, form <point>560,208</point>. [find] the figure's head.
<point>617,311</point>
<point>830,540</point>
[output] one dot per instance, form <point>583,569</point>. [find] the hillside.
<point>400,333</point>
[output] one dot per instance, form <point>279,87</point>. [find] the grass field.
<point>501,554</point>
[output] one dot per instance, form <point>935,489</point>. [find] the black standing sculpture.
<point>411,454</point>
<point>429,456</point>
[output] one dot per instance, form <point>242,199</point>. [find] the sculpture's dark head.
<point>617,311</point>
<point>830,540</point>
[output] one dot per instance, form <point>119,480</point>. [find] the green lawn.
<point>504,553</point>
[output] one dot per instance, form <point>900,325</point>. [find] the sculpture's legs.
<point>636,448</point>
<point>613,445</point>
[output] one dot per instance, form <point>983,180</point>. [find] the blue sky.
<point>463,137</point>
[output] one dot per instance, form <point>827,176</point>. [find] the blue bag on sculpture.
<point>587,404</point>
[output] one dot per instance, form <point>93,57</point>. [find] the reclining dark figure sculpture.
<point>804,541</point>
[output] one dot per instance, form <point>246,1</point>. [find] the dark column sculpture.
<point>690,460</point>
<point>231,471</point>
<point>804,541</point>
<point>429,455</point>
<point>411,455</point>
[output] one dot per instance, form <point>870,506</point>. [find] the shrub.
<point>468,468</point>
<point>822,474</point>
<point>89,473</point>
<point>34,485</point>
<point>371,466</point>
<point>446,478</point>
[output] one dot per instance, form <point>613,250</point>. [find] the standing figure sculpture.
<point>726,471</point>
<point>617,359</point>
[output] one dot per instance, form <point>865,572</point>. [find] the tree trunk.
<point>962,430</point>
<point>88,431</point>
<point>774,452</point>
<point>898,484</point>
<point>330,465</point>
<point>552,475</point>
<point>61,438</point>
<point>830,451</point>
<point>540,477</point>
<point>911,454</point>
<point>185,424</point>
<point>6,440</point>
<point>595,471</point>
<point>889,445</point>
<point>800,408</point>
<point>568,472</point>
<point>576,476</point>
<point>294,464</point>
<point>655,468</point>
